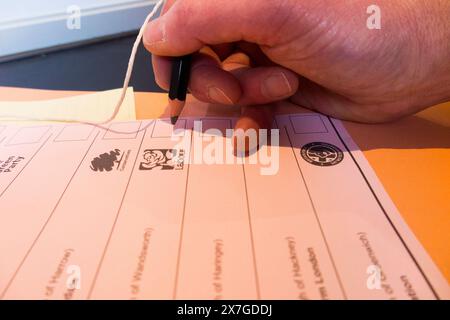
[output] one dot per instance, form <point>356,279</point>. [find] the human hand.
<point>319,54</point>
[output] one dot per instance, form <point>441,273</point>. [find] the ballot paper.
<point>143,210</point>
<point>92,107</point>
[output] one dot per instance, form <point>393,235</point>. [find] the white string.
<point>122,94</point>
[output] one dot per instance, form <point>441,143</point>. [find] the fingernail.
<point>218,96</point>
<point>155,32</point>
<point>276,86</point>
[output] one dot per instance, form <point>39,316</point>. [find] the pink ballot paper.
<point>142,210</point>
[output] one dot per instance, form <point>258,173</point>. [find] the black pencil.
<point>181,67</point>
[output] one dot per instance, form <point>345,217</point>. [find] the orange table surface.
<point>411,157</point>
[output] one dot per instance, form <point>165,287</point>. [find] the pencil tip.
<point>173,120</point>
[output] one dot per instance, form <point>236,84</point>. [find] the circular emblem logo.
<point>322,154</point>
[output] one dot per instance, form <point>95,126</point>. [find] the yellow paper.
<point>92,107</point>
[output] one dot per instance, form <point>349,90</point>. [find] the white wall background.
<point>28,26</point>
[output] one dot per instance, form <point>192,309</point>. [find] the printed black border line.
<point>33,142</point>
<point>153,129</point>
<point>148,124</point>
<point>110,130</point>
<point>307,115</point>
<point>70,140</point>
<point>46,222</point>
<point>105,249</point>
<point>202,134</point>
<point>252,241</point>
<point>317,217</point>
<point>167,120</point>
<point>31,159</point>
<point>384,212</point>
<point>180,241</point>
<point>163,120</point>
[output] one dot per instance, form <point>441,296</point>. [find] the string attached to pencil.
<point>122,94</point>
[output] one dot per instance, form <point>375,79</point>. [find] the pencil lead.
<point>173,120</point>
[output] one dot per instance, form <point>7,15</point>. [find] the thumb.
<point>190,24</point>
